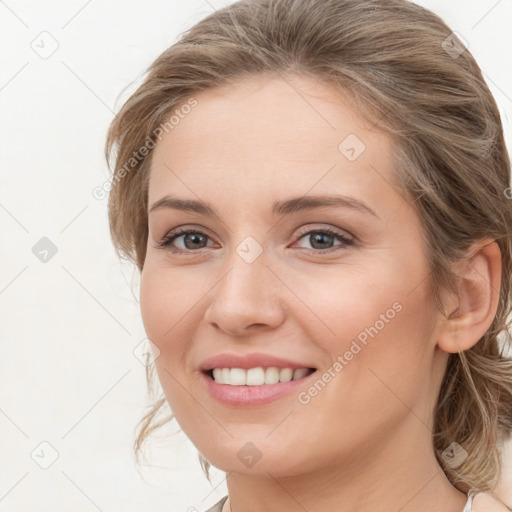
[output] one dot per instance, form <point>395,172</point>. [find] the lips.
<point>247,394</point>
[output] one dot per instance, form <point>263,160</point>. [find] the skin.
<point>365,440</point>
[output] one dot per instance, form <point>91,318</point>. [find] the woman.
<point>315,194</point>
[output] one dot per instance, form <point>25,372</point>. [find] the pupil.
<point>319,237</point>
<point>194,237</point>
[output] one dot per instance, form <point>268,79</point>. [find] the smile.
<point>246,389</point>
<point>257,376</point>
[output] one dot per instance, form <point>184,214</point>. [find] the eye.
<point>322,239</point>
<point>192,239</point>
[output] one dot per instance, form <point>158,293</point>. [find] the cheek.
<point>384,343</point>
<point>380,369</point>
<point>348,301</point>
<point>168,302</point>
<point>154,302</point>
<point>168,319</point>
<point>378,326</point>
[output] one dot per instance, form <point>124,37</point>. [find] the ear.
<point>472,311</point>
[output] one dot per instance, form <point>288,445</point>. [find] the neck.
<point>399,474</point>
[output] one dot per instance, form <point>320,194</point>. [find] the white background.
<point>68,375</point>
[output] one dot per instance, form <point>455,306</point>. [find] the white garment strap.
<point>469,503</point>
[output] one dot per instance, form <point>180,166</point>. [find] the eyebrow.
<point>278,208</point>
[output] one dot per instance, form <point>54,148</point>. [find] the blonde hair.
<point>393,58</point>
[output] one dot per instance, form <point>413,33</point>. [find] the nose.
<point>247,299</point>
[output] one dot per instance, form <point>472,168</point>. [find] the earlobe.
<point>474,309</point>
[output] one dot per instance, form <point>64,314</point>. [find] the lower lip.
<point>252,396</point>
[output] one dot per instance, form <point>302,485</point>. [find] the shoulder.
<point>484,502</point>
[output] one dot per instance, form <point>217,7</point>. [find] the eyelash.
<point>166,242</point>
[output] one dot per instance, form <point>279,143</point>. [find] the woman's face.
<point>341,287</point>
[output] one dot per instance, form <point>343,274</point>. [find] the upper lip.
<point>247,361</point>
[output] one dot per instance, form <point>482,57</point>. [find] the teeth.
<point>237,377</point>
<point>301,372</point>
<point>271,375</point>
<point>257,376</point>
<point>286,374</point>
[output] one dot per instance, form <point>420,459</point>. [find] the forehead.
<point>269,132</point>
